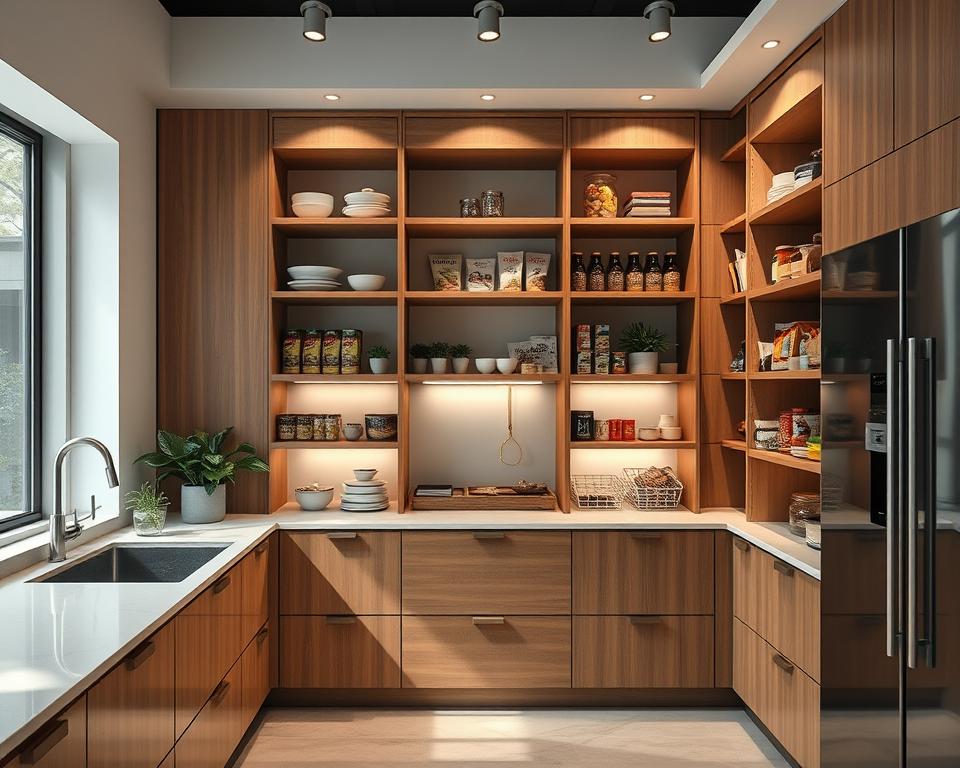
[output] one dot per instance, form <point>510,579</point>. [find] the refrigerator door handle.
<point>930,504</point>
<point>893,450</point>
<point>912,521</point>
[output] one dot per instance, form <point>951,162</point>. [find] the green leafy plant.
<point>198,460</point>
<point>638,337</point>
<point>460,350</point>
<point>420,351</point>
<point>149,504</point>
<point>439,349</point>
<point>378,352</point>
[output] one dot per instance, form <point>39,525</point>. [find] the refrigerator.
<point>890,481</point>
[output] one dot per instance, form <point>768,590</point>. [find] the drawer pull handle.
<point>741,545</point>
<point>262,634</point>
<point>645,620</point>
<point>783,568</point>
<point>781,662</point>
<point>489,535</point>
<point>140,655</point>
<point>221,584</point>
<point>488,621</point>
<point>342,535</point>
<point>646,536</point>
<point>219,692</point>
<point>341,619</point>
<point>35,751</point>
<point>261,548</point>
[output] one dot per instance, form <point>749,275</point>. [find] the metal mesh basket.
<point>597,491</point>
<point>644,492</point>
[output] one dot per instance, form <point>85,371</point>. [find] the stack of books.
<point>738,271</point>
<point>647,204</point>
<point>434,490</point>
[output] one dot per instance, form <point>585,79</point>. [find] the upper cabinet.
<point>926,65</point>
<point>858,87</point>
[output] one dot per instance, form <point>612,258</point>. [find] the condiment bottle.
<point>671,272</point>
<point>615,272</point>
<point>634,276</point>
<point>578,277</point>
<point>596,280</point>
<point>652,274</point>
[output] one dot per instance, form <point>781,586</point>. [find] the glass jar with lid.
<point>615,272</point>
<point>600,196</point>
<point>804,507</point>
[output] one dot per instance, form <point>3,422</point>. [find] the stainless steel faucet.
<point>60,533</point>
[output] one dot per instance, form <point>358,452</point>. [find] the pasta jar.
<point>600,196</point>
<point>804,508</point>
<point>491,203</point>
<point>469,208</point>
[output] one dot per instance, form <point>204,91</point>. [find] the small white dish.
<point>314,500</point>
<point>486,364</point>
<point>366,196</point>
<point>363,490</point>
<point>648,433</point>
<point>312,272</point>
<point>319,207</point>
<point>667,420</point>
<point>365,212</point>
<point>364,474</point>
<point>507,365</point>
<point>366,282</point>
<point>671,433</point>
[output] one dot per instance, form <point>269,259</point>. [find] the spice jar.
<point>469,208</point>
<point>615,273</point>
<point>578,276</point>
<point>596,279</point>
<point>671,272</point>
<point>804,507</point>
<point>491,203</point>
<point>634,276</point>
<point>600,196</point>
<point>652,274</point>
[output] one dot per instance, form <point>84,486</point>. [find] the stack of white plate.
<point>364,496</point>
<point>366,204</point>
<point>783,184</point>
<point>314,278</point>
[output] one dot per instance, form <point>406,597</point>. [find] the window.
<point>20,149</point>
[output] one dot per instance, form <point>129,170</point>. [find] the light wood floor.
<point>295,738</point>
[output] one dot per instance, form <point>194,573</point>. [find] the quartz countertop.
<point>61,638</point>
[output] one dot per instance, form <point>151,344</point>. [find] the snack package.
<point>446,271</point>
<point>801,337</point>
<point>350,351</point>
<point>601,363</point>
<point>480,274</point>
<point>584,339</point>
<point>546,348</point>
<point>331,352</point>
<point>510,270</point>
<point>584,362</point>
<point>618,363</point>
<point>601,338</point>
<point>537,268</point>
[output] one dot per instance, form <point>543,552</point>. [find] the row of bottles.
<point>636,277</point>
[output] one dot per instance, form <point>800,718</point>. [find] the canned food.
<point>601,429</point>
<point>628,430</point>
<point>616,429</point>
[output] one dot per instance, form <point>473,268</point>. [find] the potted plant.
<point>438,356</point>
<point>149,508</point>
<point>197,460</point>
<point>461,357</point>
<point>379,358</point>
<point>420,354</point>
<point>643,344</point>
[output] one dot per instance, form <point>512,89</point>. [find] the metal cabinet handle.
<point>219,692</point>
<point>912,519</point>
<point>342,535</point>
<point>489,535</point>
<point>262,635</point>
<point>43,742</point>
<point>741,545</point>
<point>893,485</point>
<point>341,619</point>
<point>645,536</point>
<point>930,503</point>
<point>783,568</point>
<point>485,621</point>
<point>783,663</point>
<point>645,620</point>
<point>221,584</point>
<point>140,655</point>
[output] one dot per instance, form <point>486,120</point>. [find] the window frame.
<point>33,349</point>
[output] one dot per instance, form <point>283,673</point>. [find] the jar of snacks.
<point>470,208</point>
<point>615,273</point>
<point>491,203</point>
<point>671,272</point>
<point>634,276</point>
<point>596,279</point>
<point>578,275</point>
<point>304,427</point>
<point>652,274</point>
<point>804,507</point>
<point>286,427</point>
<point>600,196</point>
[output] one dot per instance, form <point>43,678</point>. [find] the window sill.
<point>27,545</point>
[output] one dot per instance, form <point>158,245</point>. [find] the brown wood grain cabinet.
<point>255,675</point>
<point>60,743</point>
<point>217,729</point>
<point>636,572</point>
<point>254,572</point>
<point>795,91</point>
<point>340,572</point>
<point>169,761</point>
<point>337,132</point>
<point>486,572</point>
<point>130,711</point>
<point>486,652</point>
<point>643,652</point>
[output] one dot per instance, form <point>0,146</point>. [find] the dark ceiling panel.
<point>453,7</point>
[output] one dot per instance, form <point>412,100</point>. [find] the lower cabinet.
<point>216,731</point>
<point>61,743</point>
<point>255,675</point>
<point>643,651</point>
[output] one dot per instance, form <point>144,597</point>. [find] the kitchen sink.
<point>138,564</point>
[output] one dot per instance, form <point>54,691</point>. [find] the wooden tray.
<point>505,499</point>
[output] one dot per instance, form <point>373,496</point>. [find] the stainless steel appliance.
<point>890,399</point>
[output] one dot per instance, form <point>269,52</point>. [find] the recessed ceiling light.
<point>658,14</point>
<point>770,44</point>
<point>488,13</point>
<point>488,97</point>
<point>647,97</point>
<point>331,97</point>
<point>315,15</point>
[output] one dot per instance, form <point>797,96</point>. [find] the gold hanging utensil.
<point>510,437</point>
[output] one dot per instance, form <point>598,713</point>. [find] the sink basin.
<point>138,564</point>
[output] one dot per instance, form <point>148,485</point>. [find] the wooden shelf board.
<point>629,158</point>
<point>784,375</point>
<point>482,378</point>
<point>737,153</point>
<point>735,445</point>
<point>631,378</point>
<point>623,226</point>
<point>484,159</point>
<point>785,460</point>
<point>285,445</point>
<point>733,376</point>
<point>663,444</point>
<point>803,288</point>
<point>326,378</point>
<point>735,298</point>
<point>292,506</point>
<point>802,206</point>
<point>800,124</point>
<point>481,227</point>
<point>483,298</point>
<point>736,225</point>
<point>632,297</point>
<point>291,226</point>
<point>334,297</point>
<point>857,297</point>
<point>323,158</point>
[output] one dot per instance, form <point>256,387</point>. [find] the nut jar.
<point>491,203</point>
<point>804,507</point>
<point>600,196</point>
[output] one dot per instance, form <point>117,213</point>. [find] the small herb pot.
<point>419,365</point>
<point>643,362</point>
<point>461,364</point>
<point>149,522</point>
<point>438,364</point>
<point>379,364</point>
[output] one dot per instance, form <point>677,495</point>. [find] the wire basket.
<point>597,491</point>
<point>653,487</point>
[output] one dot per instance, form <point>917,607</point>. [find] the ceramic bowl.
<point>671,433</point>
<point>313,500</point>
<point>310,272</point>
<point>486,364</point>
<point>312,204</point>
<point>648,433</point>
<point>352,432</point>
<point>366,196</point>
<point>381,426</point>
<point>667,420</point>
<point>507,364</point>
<point>364,474</point>
<point>366,282</point>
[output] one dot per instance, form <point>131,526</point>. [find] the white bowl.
<point>320,209</point>
<point>314,501</point>
<point>366,282</point>
<point>364,474</point>
<point>671,433</point>
<point>311,272</point>
<point>648,433</point>
<point>366,196</point>
<point>667,420</point>
<point>507,364</point>
<point>486,364</point>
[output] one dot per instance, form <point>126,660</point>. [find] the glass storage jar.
<point>803,507</point>
<point>491,203</point>
<point>600,196</point>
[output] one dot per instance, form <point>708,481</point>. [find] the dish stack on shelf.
<point>366,204</point>
<point>364,494</point>
<point>783,184</point>
<point>314,278</point>
<point>312,205</point>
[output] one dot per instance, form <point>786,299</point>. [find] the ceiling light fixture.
<point>331,97</point>
<point>488,97</point>
<point>770,44</point>
<point>647,97</point>
<point>315,15</point>
<point>658,14</point>
<point>488,13</point>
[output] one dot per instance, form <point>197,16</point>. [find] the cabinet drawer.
<point>208,642</point>
<point>486,652</point>
<point>779,603</point>
<point>340,652</point>
<point>779,693</point>
<point>659,572</point>
<point>254,579</point>
<point>643,652</point>
<point>130,711</point>
<point>340,572</point>
<point>212,737</point>
<point>255,675</point>
<point>60,743</point>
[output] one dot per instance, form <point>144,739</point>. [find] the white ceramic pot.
<point>196,507</point>
<point>438,364</point>
<point>643,362</point>
<point>379,364</point>
<point>461,364</point>
<point>419,365</point>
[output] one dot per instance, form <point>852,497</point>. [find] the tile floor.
<point>674,738</point>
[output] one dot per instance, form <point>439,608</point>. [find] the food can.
<point>292,344</point>
<point>618,362</point>
<point>601,429</point>
<point>786,431</point>
<point>581,425</point>
<point>318,426</point>
<point>491,203</point>
<point>304,427</point>
<point>629,430</point>
<point>286,427</point>
<point>312,345</point>
<point>616,429</point>
<point>331,427</point>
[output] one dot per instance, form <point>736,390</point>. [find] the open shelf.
<point>335,227</point>
<point>500,226</point>
<point>660,298</point>
<point>735,445</point>
<point>630,378</point>
<point>803,288</point>
<point>735,298</point>
<point>334,297</point>
<point>733,376</point>
<point>482,378</point>
<point>736,225</point>
<point>737,153</point>
<point>800,124</point>
<point>783,375</point>
<point>785,460</point>
<point>630,227</point>
<point>328,378</point>
<point>331,444</point>
<point>802,206</point>
<point>483,298</point>
<point>662,444</point>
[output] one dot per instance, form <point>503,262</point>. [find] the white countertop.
<point>60,638</point>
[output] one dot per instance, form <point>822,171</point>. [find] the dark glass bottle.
<point>652,274</point>
<point>615,272</point>
<point>596,280</point>
<point>578,277</point>
<point>671,272</point>
<point>634,277</point>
